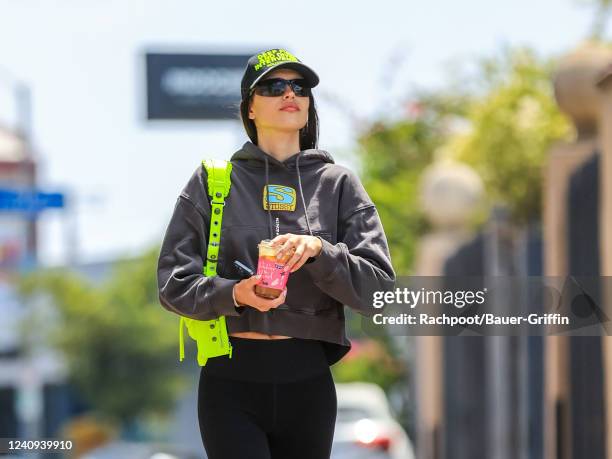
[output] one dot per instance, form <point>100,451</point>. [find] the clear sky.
<point>82,60</point>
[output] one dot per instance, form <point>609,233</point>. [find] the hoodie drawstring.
<point>297,165</point>
<point>268,201</point>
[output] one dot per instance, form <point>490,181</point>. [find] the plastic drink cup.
<point>273,276</point>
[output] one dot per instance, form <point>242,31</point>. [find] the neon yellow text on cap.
<point>272,57</point>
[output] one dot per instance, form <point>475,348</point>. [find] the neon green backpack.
<point>211,335</point>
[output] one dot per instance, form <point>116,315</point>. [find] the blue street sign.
<point>29,200</point>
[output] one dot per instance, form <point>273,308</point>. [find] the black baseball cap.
<point>260,64</point>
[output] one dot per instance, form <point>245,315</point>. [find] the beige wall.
<point>605,129</point>
<point>563,160</point>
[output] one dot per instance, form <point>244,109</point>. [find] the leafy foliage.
<point>120,345</point>
<point>512,128</point>
<point>393,157</point>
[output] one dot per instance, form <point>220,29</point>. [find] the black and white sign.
<point>193,86</point>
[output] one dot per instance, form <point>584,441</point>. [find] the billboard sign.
<point>193,86</point>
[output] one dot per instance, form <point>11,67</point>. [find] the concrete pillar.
<point>450,193</point>
<point>563,161</point>
<point>577,96</point>
<point>605,136</point>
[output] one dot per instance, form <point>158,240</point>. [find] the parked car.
<point>365,427</point>
<point>135,450</point>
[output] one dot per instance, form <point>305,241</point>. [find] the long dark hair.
<point>309,134</point>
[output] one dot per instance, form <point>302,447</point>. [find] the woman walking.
<point>275,398</point>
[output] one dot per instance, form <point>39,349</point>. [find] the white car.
<point>365,427</point>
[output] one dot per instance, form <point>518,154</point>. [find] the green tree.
<point>120,345</point>
<point>393,156</point>
<point>513,126</point>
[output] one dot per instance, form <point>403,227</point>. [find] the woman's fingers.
<point>281,299</point>
<point>288,246</point>
<point>305,249</point>
<point>252,281</point>
<point>264,304</point>
<point>245,294</point>
<point>300,262</point>
<point>281,239</point>
<point>299,252</point>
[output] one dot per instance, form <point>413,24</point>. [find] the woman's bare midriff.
<point>257,335</point>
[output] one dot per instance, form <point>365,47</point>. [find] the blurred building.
<point>36,398</point>
<point>17,231</point>
<point>32,391</point>
<point>17,250</point>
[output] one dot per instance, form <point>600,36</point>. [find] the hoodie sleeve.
<point>359,264</point>
<point>182,286</point>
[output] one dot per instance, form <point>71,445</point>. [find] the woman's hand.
<point>305,246</point>
<point>244,292</point>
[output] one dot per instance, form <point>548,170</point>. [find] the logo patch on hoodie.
<point>281,197</point>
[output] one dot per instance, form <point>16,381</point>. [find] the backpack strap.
<point>219,183</point>
<point>219,173</point>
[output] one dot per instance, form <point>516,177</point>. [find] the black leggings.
<point>274,399</point>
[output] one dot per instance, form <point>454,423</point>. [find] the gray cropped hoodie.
<point>308,194</point>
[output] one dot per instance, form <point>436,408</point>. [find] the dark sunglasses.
<point>274,87</point>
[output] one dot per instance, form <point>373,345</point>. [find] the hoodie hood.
<point>256,157</point>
